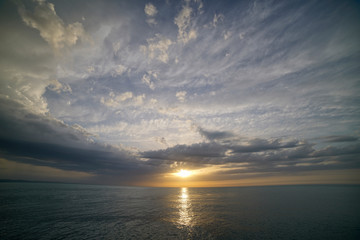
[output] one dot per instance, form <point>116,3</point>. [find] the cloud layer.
<point>128,92</point>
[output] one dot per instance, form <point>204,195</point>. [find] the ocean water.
<point>71,211</point>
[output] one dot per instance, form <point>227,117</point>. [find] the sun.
<point>184,173</point>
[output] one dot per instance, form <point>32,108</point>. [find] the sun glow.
<point>184,173</point>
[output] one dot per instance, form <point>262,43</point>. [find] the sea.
<point>75,211</point>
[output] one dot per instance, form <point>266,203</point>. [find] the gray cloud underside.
<point>260,155</point>
<point>44,141</point>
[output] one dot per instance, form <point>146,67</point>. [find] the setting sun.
<point>184,173</point>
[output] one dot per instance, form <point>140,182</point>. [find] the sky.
<point>238,93</point>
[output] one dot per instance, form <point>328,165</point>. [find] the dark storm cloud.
<point>214,135</point>
<point>196,152</point>
<point>20,124</point>
<point>40,140</point>
<point>261,155</point>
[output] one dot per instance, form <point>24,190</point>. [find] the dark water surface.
<point>70,211</point>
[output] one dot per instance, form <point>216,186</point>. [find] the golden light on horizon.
<point>184,173</point>
<point>212,177</point>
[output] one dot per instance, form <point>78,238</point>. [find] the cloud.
<point>58,87</point>
<point>139,100</point>
<point>227,35</point>
<point>215,135</point>
<point>26,63</point>
<point>181,96</point>
<point>146,79</point>
<point>183,21</point>
<point>228,151</point>
<point>151,21</point>
<point>52,29</point>
<point>40,140</point>
<point>178,131</point>
<point>120,69</point>
<point>124,99</point>
<point>338,151</point>
<point>258,156</point>
<point>22,125</point>
<point>158,48</point>
<point>150,10</point>
<point>217,19</point>
<point>120,126</point>
<point>341,138</point>
<point>259,145</point>
<point>200,152</point>
<point>162,140</point>
<point>241,36</point>
<point>200,5</point>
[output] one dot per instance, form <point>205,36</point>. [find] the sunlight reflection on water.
<point>185,213</point>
